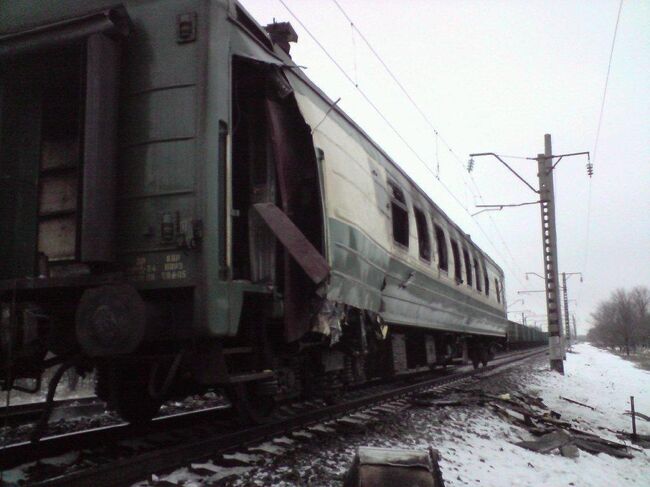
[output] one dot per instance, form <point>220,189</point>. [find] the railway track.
<point>64,408</point>
<point>130,453</point>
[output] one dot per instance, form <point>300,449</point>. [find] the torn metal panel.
<point>328,320</point>
<point>366,276</point>
<point>547,443</point>
<point>301,249</point>
<point>358,267</point>
<point>300,195</point>
<point>362,253</point>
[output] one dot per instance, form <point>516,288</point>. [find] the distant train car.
<point>183,209</point>
<point>524,336</point>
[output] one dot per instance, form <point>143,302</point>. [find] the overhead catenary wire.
<point>399,135</point>
<point>599,126</point>
<point>397,82</point>
<point>476,192</point>
<point>609,69</point>
<point>354,56</point>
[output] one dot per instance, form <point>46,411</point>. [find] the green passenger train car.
<point>181,209</point>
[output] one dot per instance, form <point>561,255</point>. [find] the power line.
<point>430,124</point>
<point>397,82</point>
<point>609,68</point>
<point>600,122</point>
<point>349,78</point>
<point>399,135</point>
<point>390,72</point>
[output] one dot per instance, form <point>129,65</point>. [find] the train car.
<point>182,209</point>
<point>521,336</point>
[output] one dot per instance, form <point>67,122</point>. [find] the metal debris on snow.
<point>552,433</point>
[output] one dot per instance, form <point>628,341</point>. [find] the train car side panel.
<point>367,264</point>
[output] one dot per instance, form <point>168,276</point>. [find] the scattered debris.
<point>577,402</point>
<point>531,413</point>
<point>548,442</point>
<point>569,450</point>
<point>596,447</point>
<point>642,440</point>
<point>445,399</point>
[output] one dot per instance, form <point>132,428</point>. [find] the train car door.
<point>254,252</point>
<point>274,161</point>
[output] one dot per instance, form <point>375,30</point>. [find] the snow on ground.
<point>601,380</point>
<point>592,376</point>
<point>477,446</point>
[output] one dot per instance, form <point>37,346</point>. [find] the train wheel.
<point>254,402</point>
<point>126,392</point>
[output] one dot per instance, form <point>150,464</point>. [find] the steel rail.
<point>126,471</point>
<point>24,452</point>
<point>27,412</point>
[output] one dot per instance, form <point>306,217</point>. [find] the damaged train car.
<point>182,209</point>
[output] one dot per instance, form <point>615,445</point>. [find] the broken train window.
<point>424,242</point>
<point>457,266</point>
<point>468,267</point>
<point>443,260</point>
<point>399,216</point>
<point>477,270</point>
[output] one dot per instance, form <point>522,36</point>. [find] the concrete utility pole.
<point>565,300</point>
<point>546,201</point>
<point>565,295</point>
<point>549,241</point>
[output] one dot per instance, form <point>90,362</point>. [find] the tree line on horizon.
<point>623,320</point>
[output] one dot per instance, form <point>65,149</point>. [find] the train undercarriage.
<point>257,370</point>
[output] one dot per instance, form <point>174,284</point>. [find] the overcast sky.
<point>495,76</point>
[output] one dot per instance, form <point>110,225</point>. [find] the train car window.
<point>456,254</point>
<point>468,267</point>
<point>443,260</point>
<point>486,280</point>
<point>424,241</point>
<point>477,270</point>
<point>496,287</point>
<point>400,216</point>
